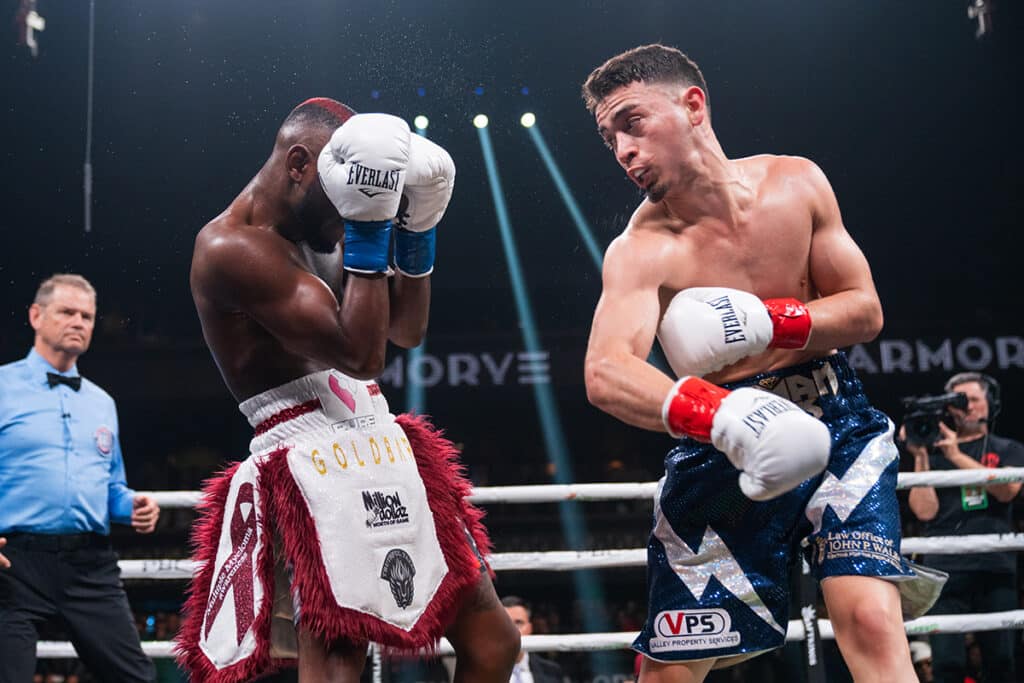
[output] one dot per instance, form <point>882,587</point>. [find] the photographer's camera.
<point>924,413</point>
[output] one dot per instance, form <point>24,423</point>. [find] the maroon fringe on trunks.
<point>283,508</point>
<point>205,538</point>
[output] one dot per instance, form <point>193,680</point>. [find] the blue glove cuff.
<point>366,246</point>
<point>414,251</point>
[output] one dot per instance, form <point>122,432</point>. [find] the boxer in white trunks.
<point>345,525</point>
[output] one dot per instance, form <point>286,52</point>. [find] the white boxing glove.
<point>363,170</point>
<point>429,183</point>
<point>428,189</point>
<point>775,445</point>
<point>705,329</point>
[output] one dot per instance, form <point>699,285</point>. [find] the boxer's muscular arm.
<point>619,380</point>
<point>848,311</point>
<point>410,309</point>
<point>252,272</point>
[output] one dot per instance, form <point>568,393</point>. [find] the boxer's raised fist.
<point>429,183</point>
<point>773,443</point>
<point>362,169</point>
<point>705,329</point>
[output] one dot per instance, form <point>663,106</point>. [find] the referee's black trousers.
<point>74,578</point>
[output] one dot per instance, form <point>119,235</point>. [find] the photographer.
<point>977,582</point>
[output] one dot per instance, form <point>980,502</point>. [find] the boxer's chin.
<point>319,242</point>
<point>656,193</point>
<point>322,236</point>
<point>322,228</point>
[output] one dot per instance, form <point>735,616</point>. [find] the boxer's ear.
<point>695,103</point>
<point>299,161</point>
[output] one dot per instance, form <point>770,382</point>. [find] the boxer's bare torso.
<point>763,227</point>
<point>247,279</point>
<point>769,225</point>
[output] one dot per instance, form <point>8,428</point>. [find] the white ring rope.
<point>592,559</point>
<point>977,477</point>
<point>553,493</point>
<point>583,642</point>
<point>952,545</point>
<point>568,560</point>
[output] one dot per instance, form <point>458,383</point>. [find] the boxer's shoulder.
<point>651,235</point>
<point>785,175</point>
<point>639,254</point>
<point>229,238</point>
<point>652,220</point>
<point>232,255</point>
<point>774,172</point>
<point>776,164</point>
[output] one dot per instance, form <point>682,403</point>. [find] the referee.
<point>62,482</point>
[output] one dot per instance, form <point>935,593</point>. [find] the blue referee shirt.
<point>61,470</point>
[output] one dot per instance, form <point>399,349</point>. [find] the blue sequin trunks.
<point>718,563</point>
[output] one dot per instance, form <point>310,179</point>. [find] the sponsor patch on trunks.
<point>398,571</point>
<point>693,629</point>
<point>384,507</point>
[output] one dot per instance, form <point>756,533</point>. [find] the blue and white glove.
<point>363,172</point>
<point>429,182</point>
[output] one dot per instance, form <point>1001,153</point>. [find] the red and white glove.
<point>707,328</point>
<point>775,445</point>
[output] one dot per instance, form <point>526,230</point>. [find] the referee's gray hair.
<point>46,287</point>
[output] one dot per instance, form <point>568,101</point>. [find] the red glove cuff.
<point>791,323</point>
<point>690,408</point>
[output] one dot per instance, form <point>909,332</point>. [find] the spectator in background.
<point>921,656</point>
<point>977,582</point>
<point>529,668</point>
<point>62,482</point>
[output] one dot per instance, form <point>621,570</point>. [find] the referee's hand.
<point>4,562</point>
<point>145,513</point>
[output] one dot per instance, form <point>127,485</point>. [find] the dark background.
<point>914,120</point>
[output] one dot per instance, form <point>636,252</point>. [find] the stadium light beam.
<point>656,357</point>
<point>586,232</point>
<point>415,394</point>
<point>587,586</point>
<point>554,439</point>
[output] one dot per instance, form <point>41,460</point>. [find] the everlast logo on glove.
<point>384,509</point>
<point>758,418</point>
<point>731,324</point>
<point>374,177</point>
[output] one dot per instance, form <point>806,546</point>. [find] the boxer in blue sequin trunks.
<point>847,520</point>
<point>744,271</point>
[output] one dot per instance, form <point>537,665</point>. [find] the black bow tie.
<point>53,379</point>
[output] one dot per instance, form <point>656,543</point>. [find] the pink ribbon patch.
<point>237,570</point>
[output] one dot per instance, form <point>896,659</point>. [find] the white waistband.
<point>345,403</point>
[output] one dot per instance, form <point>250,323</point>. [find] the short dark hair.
<point>516,601</point>
<point>319,112</point>
<point>645,64</point>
